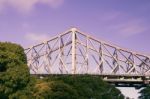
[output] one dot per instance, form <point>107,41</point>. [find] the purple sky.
<point>123,22</point>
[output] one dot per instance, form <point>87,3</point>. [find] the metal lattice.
<point>74,52</point>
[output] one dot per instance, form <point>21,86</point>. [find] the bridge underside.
<point>74,52</point>
<point>116,80</point>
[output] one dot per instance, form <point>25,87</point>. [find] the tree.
<point>14,73</point>
<point>89,87</point>
<point>145,93</point>
<point>42,89</point>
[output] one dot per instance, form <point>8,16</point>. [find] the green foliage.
<point>14,73</point>
<point>88,87</point>
<point>16,82</point>
<point>72,87</point>
<point>11,55</point>
<point>145,93</point>
<point>61,90</point>
<point>42,89</point>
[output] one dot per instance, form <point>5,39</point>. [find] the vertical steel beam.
<point>87,56</point>
<point>73,30</point>
<point>101,58</point>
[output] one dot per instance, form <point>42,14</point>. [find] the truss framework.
<point>75,52</point>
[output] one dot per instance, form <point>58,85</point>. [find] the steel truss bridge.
<point>74,52</point>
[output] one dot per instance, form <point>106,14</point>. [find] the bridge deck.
<point>123,80</point>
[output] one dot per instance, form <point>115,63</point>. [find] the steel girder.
<point>75,52</point>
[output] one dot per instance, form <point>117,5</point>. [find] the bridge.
<point>76,53</point>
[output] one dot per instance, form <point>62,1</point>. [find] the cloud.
<point>26,6</point>
<point>34,37</point>
<point>52,3</point>
<point>110,15</point>
<point>129,28</point>
<point>122,24</point>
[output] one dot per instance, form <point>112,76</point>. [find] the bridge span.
<point>76,53</point>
